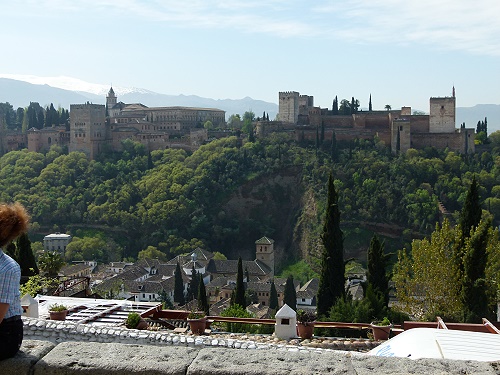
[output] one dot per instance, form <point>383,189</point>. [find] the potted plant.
<point>305,323</point>
<point>197,322</point>
<point>381,329</point>
<point>58,312</point>
<point>135,321</point>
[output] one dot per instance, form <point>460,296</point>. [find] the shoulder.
<point>8,265</point>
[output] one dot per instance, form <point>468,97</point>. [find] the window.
<point>285,322</point>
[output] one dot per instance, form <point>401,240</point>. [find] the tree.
<point>370,103</point>
<point>239,297</point>
<point>50,263</point>
<point>208,125</point>
<point>202,296</point>
<point>179,285</point>
<point>333,148</point>
<point>335,106</point>
<point>193,284</point>
<point>422,290</point>
<point>388,107</point>
<point>376,275</point>
<point>11,251</point>
<point>25,256</point>
<point>273,297</point>
<point>471,213</point>
<point>332,278</point>
<point>474,287</point>
<point>151,252</point>
<point>354,105</point>
<point>345,107</point>
<point>290,295</point>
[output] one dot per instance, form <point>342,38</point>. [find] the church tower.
<point>264,252</point>
<point>111,99</point>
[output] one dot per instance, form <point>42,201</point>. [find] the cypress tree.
<point>193,284</point>
<point>179,286</point>
<point>11,251</point>
<point>290,295</point>
<point>239,297</point>
<point>273,297</point>
<point>474,286</point>
<point>333,147</point>
<point>470,215</point>
<point>335,106</point>
<point>202,296</point>
<point>370,103</point>
<point>25,256</point>
<point>332,278</point>
<point>377,261</point>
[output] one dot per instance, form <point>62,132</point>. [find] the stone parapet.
<point>42,357</point>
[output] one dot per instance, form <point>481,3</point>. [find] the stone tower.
<point>111,99</point>
<point>289,106</point>
<point>442,114</point>
<point>264,252</point>
<point>87,128</point>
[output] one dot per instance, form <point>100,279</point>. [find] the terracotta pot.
<point>197,326</point>
<point>142,324</point>
<point>305,331</point>
<point>381,332</point>
<point>58,315</point>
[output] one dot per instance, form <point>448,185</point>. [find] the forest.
<point>230,192</point>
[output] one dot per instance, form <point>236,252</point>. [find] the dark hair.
<point>14,220</point>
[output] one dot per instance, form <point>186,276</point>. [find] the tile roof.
<point>264,241</point>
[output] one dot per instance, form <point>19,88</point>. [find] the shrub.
<point>133,320</point>
<point>57,307</point>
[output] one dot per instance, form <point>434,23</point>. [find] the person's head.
<point>13,221</point>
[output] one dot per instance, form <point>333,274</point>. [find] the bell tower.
<point>264,252</point>
<point>111,99</point>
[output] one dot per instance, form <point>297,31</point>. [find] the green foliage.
<point>306,316</point>
<point>238,311</point>
<point>151,252</point>
<point>290,295</point>
<point>202,296</point>
<point>50,263</point>
<point>273,297</point>
<point>376,273</point>
<point>38,284</point>
<point>239,297</point>
<point>133,320</point>
<point>332,279</point>
<point>25,256</point>
<point>179,285</point>
<point>301,271</point>
<point>57,307</point>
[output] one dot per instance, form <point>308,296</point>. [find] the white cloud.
<point>443,24</point>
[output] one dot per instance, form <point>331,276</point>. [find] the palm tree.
<point>50,262</point>
<point>388,107</point>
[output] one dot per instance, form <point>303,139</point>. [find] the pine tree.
<point>290,295</point>
<point>240,287</point>
<point>332,278</point>
<point>377,261</point>
<point>179,286</point>
<point>202,296</point>
<point>25,256</point>
<point>273,297</point>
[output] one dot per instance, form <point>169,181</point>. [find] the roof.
<point>264,241</point>
<point>254,267</point>
<point>73,268</point>
<point>312,285</point>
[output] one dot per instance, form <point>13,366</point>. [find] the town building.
<point>56,242</point>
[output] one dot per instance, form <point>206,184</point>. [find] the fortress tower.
<point>289,106</point>
<point>442,114</point>
<point>87,128</point>
<point>264,252</point>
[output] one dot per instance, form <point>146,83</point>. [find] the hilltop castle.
<point>399,129</point>
<point>96,127</point>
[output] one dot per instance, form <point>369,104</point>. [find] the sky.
<point>399,52</point>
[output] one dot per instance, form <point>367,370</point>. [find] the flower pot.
<point>58,315</point>
<point>197,326</point>
<point>305,330</point>
<point>142,324</point>
<point>381,332</point>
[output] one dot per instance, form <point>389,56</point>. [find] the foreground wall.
<point>43,357</point>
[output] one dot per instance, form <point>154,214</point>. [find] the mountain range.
<point>20,93</point>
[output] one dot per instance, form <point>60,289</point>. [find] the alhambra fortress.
<point>95,128</point>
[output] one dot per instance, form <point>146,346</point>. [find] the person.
<point>13,221</point>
